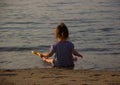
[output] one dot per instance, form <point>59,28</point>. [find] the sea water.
<point>27,25</point>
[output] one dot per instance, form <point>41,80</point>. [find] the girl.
<point>63,49</point>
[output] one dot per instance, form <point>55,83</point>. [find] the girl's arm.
<point>74,52</point>
<point>49,54</point>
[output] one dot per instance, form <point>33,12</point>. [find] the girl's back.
<point>63,53</point>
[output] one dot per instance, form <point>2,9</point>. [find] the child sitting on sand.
<point>64,51</point>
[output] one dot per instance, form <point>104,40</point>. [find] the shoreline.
<point>54,76</point>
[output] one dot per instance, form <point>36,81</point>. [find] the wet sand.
<point>47,76</point>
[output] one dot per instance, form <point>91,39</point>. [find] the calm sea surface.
<point>27,25</point>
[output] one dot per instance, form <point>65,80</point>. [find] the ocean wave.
<point>10,49</point>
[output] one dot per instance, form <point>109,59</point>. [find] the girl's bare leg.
<point>48,60</point>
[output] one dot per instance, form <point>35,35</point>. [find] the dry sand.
<point>48,76</point>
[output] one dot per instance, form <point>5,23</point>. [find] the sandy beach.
<point>47,76</point>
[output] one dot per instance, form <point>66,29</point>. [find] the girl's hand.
<point>39,54</point>
<point>81,56</point>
